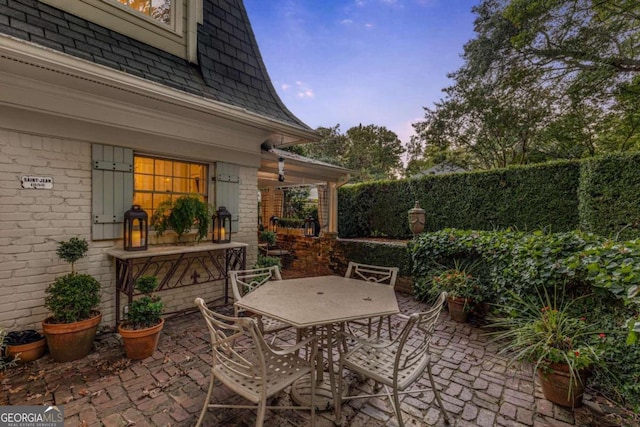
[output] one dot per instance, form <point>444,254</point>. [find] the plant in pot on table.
<point>141,329</point>
<point>461,287</point>
<point>545,330</point>
<point>72,300</point>
<point>181,215</point>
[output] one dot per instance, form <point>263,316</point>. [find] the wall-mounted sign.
<point>37,182</point>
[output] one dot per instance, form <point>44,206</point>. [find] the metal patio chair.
<point>244,282</point>
<point>376,274</point>
<point>247,365</point>
<point>398,363</point>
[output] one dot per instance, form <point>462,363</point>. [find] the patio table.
<point>321,301</point>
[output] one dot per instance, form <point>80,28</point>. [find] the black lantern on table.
<point>136,229</point>
<point>273,224</point>
<point>222,226</point>
<point>310,227</point>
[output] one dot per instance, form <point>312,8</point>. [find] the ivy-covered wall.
<point>598,195</point>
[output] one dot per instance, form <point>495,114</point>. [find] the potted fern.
<point>72,300</point>
<point>181,216</point>
<point>141,329</point>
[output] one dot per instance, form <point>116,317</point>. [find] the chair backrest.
<point>246,281</point>
<point>236,343</point>
<point>413,342</point>
<point>372,273</point>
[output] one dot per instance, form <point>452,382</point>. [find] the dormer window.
<point>160,10</point>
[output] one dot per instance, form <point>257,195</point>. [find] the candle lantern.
<point>222,226</point>
<point>273,224</point>
<point>310,227</point>
<point>136,229</point>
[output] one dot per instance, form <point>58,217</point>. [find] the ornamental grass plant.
<point>544,329</point>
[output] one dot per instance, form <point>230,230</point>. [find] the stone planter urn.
<point>416,219</point>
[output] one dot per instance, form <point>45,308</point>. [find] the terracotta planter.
<point>27,352</point>
<point>555,385</point>
<point>140,343</point>
<point>459,308</point>
<point>70,341</point>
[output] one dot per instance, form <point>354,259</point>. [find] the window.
<point>156,180</point>
<point>160,10</point>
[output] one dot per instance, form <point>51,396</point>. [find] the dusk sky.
<point>361,61</point>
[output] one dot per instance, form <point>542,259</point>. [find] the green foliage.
<point>72,297</point>
<point>531,197</point>
<point>181,215</point>
<point>377,254</point>
<point>145,311</point>
<point>601,275</point>
<point>268,237</point>
<point>72,251</point>
<point>290,222</point>
<point>370,152</point>
<point>543,328</point>
<point>267,261</point>
<point>608,193</point>
<point>457,282</point>
<point>4,363</point>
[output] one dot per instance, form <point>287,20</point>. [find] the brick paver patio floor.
<point>168,389</point>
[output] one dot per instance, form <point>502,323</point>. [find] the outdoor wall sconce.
<point>136,229</point>
<point>221,226</point>
<point>310,227</point>
<point>273,224</point>
<point>416,219</point>
<point>281,169</point>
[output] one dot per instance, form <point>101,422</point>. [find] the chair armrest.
<point>402,316</point>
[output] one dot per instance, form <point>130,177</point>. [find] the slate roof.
<point>230,68</point>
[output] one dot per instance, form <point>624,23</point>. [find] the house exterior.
<point>107,103</point>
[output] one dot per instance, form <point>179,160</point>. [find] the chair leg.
<point>338,403</point>
<point>206,402</point>
<point>262,409</point>
<point>437,394</point>
<point>396,406</point>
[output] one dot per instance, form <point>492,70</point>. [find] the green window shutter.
<point>228,191</point>
<point>112,189</point>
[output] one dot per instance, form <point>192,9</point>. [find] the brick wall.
<point>32,222</point>
<point>312,256</point>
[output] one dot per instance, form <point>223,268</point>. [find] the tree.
<point>543,79</point>
<point>371,152</point>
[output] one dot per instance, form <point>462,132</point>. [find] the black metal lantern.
<point>222,226</point>
<point>273,224</point>
<point>136,229</point>
<point>310,227</point>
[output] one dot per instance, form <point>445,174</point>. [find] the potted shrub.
<point>25,346</point>
<point>181,215</point>
<point>544,330</point>
<point>140,330</point>
<point>268,237</point>
<point>72,300</point>
<point>461,287</point>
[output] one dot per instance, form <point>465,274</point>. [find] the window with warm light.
<point>160,10</point>
<point>156,180</point>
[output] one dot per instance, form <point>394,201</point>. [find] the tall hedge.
<point>526,198</point>
<point>609,196</point>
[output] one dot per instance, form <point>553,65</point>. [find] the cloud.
<point>300,89</point>
<point>346,21</point>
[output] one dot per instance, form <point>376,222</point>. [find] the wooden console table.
<point>176,267</point>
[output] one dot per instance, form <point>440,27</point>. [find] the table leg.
<point>326,388</point>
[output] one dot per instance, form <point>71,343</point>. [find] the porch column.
<point>333,208</point>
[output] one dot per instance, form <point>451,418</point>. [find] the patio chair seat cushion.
<point>377,363</point>
<point>282,370</point>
